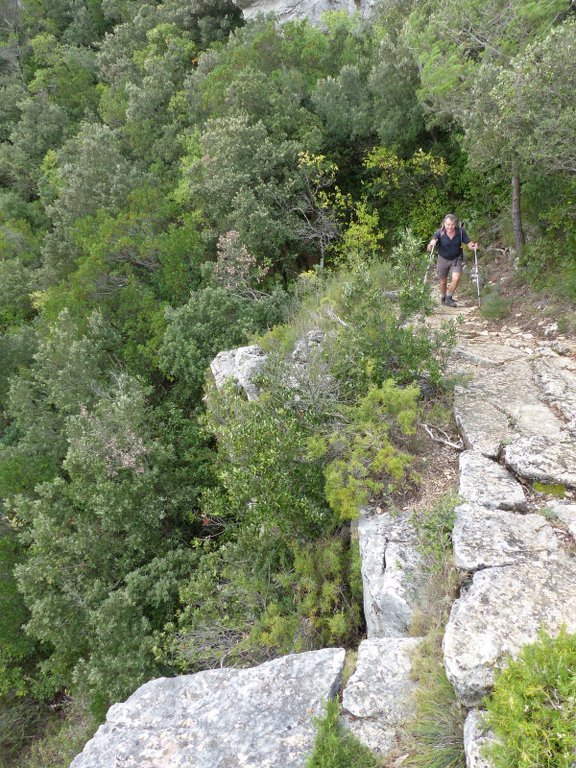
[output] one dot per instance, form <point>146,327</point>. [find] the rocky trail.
<point>514,545</point>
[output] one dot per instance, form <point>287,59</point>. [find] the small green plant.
<point>337,748</point>
<point>494,306</point>
<point>434,529</point>
<point>532,709</point>
<point>552,489</point>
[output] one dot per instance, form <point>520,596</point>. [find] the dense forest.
<point>175,181</point>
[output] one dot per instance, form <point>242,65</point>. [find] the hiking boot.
<point>450,302</point>
<point>443,300</point>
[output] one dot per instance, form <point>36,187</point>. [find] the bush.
<point>367,460</point>
<point>532,709</point>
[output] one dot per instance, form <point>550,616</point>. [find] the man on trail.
<point>450,238</point>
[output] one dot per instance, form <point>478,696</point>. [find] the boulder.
<point>378,697</point>
<point>240,366</point>
<point>538,457</point>
<point>476,737</point>
<point>392,572</point>
<point>499,613</point>
<point>487,483</point>
<point>484,538</point>
<point>223,718</point>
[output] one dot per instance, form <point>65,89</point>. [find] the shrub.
<point>532,709</point>
<point>367,461</point>
<point>494,306</point>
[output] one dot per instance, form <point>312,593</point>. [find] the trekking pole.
<point>429,264</point>
<point>477,274</point>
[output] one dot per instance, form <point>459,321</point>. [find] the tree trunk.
<point>517,212</point>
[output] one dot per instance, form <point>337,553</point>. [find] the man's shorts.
<point>443,266</point>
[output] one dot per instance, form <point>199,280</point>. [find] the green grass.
<point>335,747</point>
<point>433,737</point>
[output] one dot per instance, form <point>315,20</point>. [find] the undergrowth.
<point>336,747</point>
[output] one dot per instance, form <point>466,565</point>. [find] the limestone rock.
<point>487,483</point>
<point>309,343</point>
<point>224,718</point>
<point>312,10</point>
<point>487,354</point>
<point>241,366</point>
<point>500,613</point>
<point>566,512</point>
<point>546,460</point>
<point>557,380</point>
<point>378,697</point>
<point>476,737</point>
<point>391,572</point>
<point>489,538</point>
<point>483,426</point>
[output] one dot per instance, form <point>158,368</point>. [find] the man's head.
<point>450,222</point>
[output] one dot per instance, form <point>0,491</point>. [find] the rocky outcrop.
<point>288,10</point>
<point>224,718</point>
<point>392,572</point>
<point>378,697</point>
<point>501,611</point>
<point>239,366</point>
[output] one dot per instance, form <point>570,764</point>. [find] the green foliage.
<point>318,602</point>
<point>367,463</point>
<point>264,439</point>
<point>434,528</point>
<point>532,709</point>
<point>214,319</point>
<point>371,342</point>
<point>336,747</point>
<point>407,190</point>
<point>493,306</point>
<point>552,489</point>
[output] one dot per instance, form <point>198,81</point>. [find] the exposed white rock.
<point>476,737</point>
<point>487,354</point>
<point>501,404</point>
<point>487,483</point>
<point>225,718</point>
<point>392,572</point>
<point>566,512</point>
<point>484,427</point>
<point>312,10</point>
<point>241,366</point>
<point>378,696</point>
<point>489,538</point>
<point>556,377</point>
<point>546,460</point>
<point>500,613</point>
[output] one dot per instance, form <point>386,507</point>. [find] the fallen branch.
<point>457,446</point>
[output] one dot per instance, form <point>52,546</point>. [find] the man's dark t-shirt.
<point>451,248</point>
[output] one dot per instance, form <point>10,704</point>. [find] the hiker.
<point>449,239</point>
